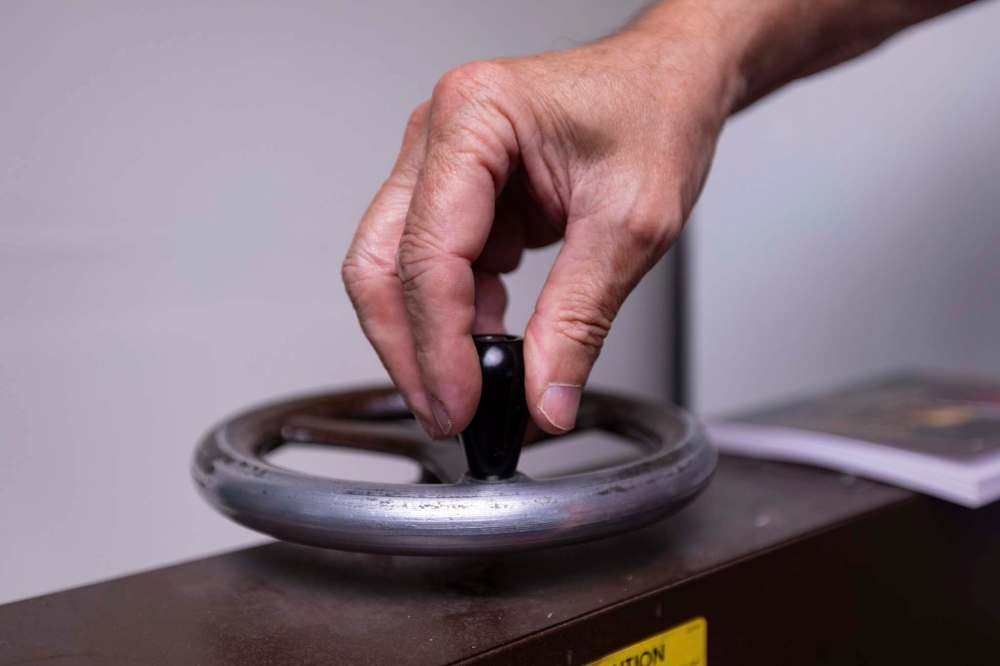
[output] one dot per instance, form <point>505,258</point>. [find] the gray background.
<point>179,181</point>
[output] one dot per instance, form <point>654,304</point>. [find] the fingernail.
<point>441,416</point>
<point>559,405</point>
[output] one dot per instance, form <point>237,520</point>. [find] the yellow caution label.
<point>683,645</point>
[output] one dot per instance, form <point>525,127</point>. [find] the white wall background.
<point>852,222</point>
<point>178,183</point>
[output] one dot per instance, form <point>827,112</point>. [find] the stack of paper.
<point>931,433</point>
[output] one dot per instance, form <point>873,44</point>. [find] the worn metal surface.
<point>286,604</point>
<point>459,515</point>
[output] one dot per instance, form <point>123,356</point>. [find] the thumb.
<point>594,272</point>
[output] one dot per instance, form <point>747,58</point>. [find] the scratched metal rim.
<point>457,515</point>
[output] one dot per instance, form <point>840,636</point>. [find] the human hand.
<point>605,146</point>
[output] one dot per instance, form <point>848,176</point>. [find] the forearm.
<point>760,45</point>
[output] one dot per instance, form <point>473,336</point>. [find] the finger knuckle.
<point>654,230</point>
<point>354,271</point>
<point>349,271</point>
<point>473,82</point>
<point>416,255</point>
<point>583,319</point>
<point>471,117</point>
<point>417,121</point>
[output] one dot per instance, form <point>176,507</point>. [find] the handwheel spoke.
<point>444,460</point>
<point>355,434</point>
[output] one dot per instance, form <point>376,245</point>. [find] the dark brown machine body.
<point>788,565</point>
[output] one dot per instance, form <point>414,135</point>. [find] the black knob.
<point>494,437</point>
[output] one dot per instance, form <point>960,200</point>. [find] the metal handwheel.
<point>476,503</point>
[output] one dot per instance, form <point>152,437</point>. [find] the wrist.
<point>682,49</point>
<point>693,38</point>
<point>756,47</point>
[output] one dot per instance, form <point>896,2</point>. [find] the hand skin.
<point>606,147</point>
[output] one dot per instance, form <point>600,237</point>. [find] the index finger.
<point>470,150</point>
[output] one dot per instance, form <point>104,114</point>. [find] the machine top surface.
<point>282,603</point>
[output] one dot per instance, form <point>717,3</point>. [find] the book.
<point>932,433</point>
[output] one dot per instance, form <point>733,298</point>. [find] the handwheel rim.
<point>462,516</point>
